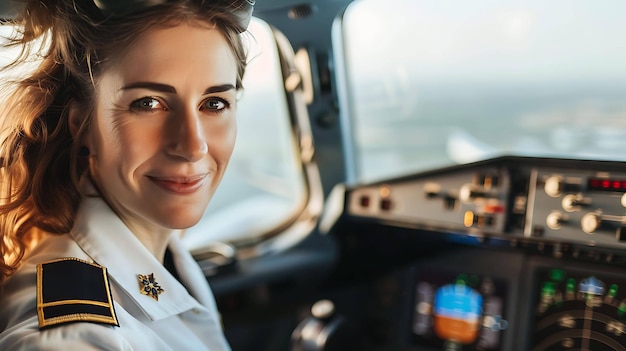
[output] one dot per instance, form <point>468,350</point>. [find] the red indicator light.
<point>494,209</point>
<point>606,184</point>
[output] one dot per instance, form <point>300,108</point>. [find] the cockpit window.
<point>429,83</point>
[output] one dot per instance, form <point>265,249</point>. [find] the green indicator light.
<point>612,291</point>
<point>557,275</point>
<point>571,285</point>
<point>548,288</point>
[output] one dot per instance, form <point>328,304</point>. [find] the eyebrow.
<point>170,89</point>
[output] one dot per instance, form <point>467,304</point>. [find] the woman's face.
<point>164,126</point>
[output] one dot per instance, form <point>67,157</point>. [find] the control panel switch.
<point>556,219</point>
<point>591,222</point>
<point>573,203</point>
<point>556,185</point>
<point>471,192</point>
<point>386,204</point>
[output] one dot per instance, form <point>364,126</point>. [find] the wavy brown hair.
<point>74,44</point>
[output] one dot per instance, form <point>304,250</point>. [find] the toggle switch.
<point>556,219</point>
<point>556,185</point>
<point>575,202</point>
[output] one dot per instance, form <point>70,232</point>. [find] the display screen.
<point>579,311</point>
<point>459,311</point>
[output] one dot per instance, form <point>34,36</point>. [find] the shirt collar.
<point>109,242</point>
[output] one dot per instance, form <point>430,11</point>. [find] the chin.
<point>179,219</point>
<point>177,224</point>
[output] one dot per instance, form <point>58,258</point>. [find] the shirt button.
<point>196,311</point>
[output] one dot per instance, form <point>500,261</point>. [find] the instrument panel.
<point>534,200</point>
<point>540,261</point>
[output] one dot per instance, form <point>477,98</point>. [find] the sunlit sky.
<point>532,38</point>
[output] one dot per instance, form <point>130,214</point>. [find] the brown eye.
<point>147,104</point>
<point>215,104</point>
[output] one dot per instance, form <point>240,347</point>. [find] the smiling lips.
<point>180,185</point>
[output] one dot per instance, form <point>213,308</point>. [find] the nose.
<point>188,140</point>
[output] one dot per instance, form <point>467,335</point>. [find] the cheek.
<point>222,141</point>
<point>126,144</point>
<point>140,140</point>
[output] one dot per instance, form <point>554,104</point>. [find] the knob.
<point>323,309</point>
<point>469,192</point>
<point>555,220</point>
<point>572,203</point>
<point>591,222</point>
<point>556,185</point>
<point>432,190</point>
<point>324,330</point>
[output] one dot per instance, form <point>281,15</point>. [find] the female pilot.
<point>109,148</point>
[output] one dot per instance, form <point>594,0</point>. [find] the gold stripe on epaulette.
<point>78,317</point>
<point>71,302</point>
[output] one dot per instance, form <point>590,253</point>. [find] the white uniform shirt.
<point>185,316</point>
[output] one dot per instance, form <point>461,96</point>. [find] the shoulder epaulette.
<point>72,290</point>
